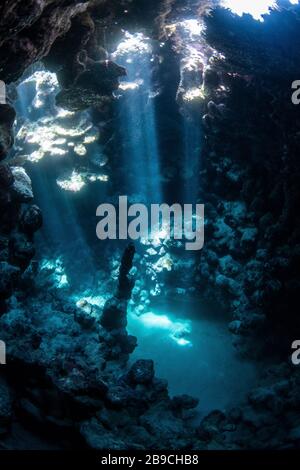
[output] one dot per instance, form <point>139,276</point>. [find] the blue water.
<point>206,367</point>
<point>137,122</point>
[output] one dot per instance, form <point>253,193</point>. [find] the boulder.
<point>31,219</point>
<point>142,372</point>
<point>114,314</point>
<point>22,250</point>
<point>21,188</point>
<point>97,437</point>
<point>184,402</point>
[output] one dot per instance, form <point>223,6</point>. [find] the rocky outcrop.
<point>67,382</point>
<point>268,420</point>
<point>114,315</point>
<point>19,220</point>
<point>21,188</point>
<point>249,158</point>
<point>92,86</point>
<point>87,77</point>
<point>29,35</point>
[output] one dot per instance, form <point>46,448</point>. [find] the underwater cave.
<point>115,336</point>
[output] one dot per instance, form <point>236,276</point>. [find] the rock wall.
<point>27,34</point>
<point>19,218</point>
<point>68,376</point>
<point>250,175</point>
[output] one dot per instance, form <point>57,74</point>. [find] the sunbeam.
<point>137,117</point>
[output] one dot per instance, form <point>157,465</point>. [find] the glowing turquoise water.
<point>196,356</point>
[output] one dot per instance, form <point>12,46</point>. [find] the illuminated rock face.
<point>21,188</point>
<point>254,8</point>
<point>53,132</point>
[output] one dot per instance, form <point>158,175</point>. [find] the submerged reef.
<point>71,376</point>
<point>20,219</point>
<point>68,376</point>
<point>227,135</point>
<point>255,182</point>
